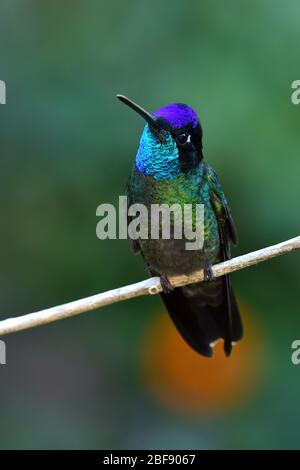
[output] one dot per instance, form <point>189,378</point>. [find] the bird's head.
<point>171,141</point>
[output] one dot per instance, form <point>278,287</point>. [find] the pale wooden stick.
<point>149,286</point>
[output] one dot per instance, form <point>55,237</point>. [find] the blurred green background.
<point>120,377</point>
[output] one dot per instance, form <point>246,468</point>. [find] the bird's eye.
<point>183,138</point>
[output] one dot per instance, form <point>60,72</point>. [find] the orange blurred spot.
<point>185,381</point>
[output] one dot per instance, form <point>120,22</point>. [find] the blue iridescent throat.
<point>160,160</point>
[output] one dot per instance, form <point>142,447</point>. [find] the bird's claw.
<point>208,274</point>
<point>166,285</point>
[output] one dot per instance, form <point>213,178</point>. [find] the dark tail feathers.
<point>201,312</point>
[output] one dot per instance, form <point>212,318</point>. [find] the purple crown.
<point>178,115</point>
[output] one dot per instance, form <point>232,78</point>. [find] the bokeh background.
<point>121,377</point>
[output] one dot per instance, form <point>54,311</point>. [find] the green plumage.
<point>194,188</point>
<point>199,310</point>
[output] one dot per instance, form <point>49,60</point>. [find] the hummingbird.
<point>170,169</point>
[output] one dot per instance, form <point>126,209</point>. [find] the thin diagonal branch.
<point>149,286</point>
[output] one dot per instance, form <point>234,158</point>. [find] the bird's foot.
<point>166,285</point>
<point>208,274</point>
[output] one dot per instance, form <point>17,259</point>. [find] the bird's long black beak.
<point>138,109</point>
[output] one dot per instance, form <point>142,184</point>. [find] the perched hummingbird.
<point>169,169</point>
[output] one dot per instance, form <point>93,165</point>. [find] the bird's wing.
<point>222,211</point>
<point>206,311</point>
<point>227,234</point>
